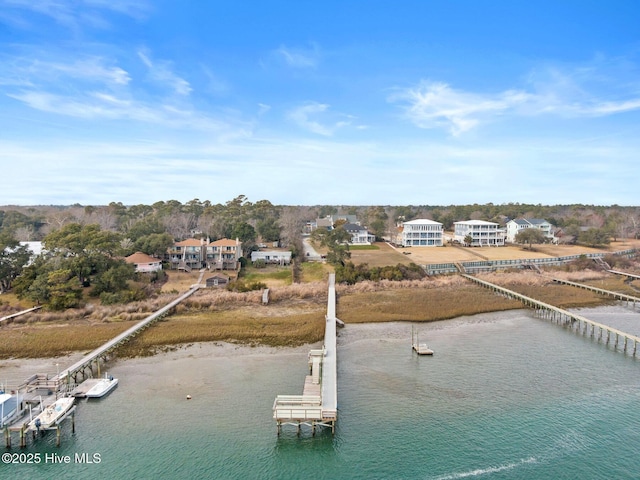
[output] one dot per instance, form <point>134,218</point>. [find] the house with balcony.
<point>481,233</point>
<point>223,254</point>
<point>359,235</point>
<point>519,224</point>
<point>186,255</point>
<point>421,232</point>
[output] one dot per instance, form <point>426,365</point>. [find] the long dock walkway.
<point>87,361</point>
<point>618,296</point>
<point>564,317</point>
<point>626,274</point>
<point>318,404</point>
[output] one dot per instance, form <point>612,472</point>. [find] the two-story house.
<point>480,232</point>
<point>421,232</point>
<point>223,254</point>
<point>519,224</point>
<point>359,234</point>
<point>186,255</point>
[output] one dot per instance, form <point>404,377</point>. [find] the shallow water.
<point>506,395</point>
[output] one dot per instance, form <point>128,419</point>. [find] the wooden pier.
<point>20,425</point>
<point>318,404</point>
<point>565,318</point>
<point>618,296</point>
<point>64,378</point>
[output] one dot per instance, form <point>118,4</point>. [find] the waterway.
<point>506,396</point>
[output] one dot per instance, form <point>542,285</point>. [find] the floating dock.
<point>318,404</point>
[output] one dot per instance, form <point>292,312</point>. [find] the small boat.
<point>104,386</point>
<point>8,408</point>
<point>51,414</point>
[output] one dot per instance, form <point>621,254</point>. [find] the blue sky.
<point>320,102</point>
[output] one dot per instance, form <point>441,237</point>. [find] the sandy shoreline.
<point>15,371</point>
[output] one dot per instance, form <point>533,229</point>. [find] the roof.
<point>475,222</point>
<point>139,257</point>
<point>422,221</point>
<point>349,227</point>
<point>223,242</point>
<point>189,242</point>
<point>529,221</point>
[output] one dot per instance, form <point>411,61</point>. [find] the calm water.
<point>505,396</point>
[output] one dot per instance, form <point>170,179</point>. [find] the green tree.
<point>62,290</point>
<point>13,258</point>
<point>530,236</point>
<point>114,279</point>
<point>84,246</point>
<point>336,241</point>
<point>269,229</point>
<point>595,237</point>
<point>155,244</point>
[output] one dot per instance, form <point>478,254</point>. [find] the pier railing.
<point>564,317</point>
<point>87,361</point>
<point>492,265</point>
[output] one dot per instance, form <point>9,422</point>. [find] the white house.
<point>482,233</point>
<point>280,257</point>
<point>516,226</point>
<point>144,262</point>
<point>421,233</point>
<point>359,234</point>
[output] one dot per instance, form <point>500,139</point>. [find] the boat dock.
<point>39,391</point>
<point>566,318</point>
<point>29,408</point>
<point>419,348</point>
<point>318,404</point>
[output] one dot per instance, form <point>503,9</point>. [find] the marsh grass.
<point>57,339</point>
<point>242,326</point>
<point>294,316</point>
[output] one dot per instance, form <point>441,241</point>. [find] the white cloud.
<point>297,57</point>
<point>72,14</point>
<point>309,116</point>
<point>27,71</point>
<point>436,104</point>
<point>162,73</point>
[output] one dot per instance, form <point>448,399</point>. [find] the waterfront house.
<point>421,232</point>
<point>186,255</point>
<point>144,263</point>
<point>519,224</point>
<point>480,232</point>
<point>223,254</point>
<point>280,257</point>
<point>359,234</point>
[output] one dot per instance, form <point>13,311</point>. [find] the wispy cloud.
<point>436,104</point>
<point>297,57</point>
<point>95,87</point>
<point>579,92</point>
<point>309,115</point>
<point>28,71</point>
<point>162,73</point>
<point>72,14</point>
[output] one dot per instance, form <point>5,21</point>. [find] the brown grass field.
<point>387,255</point>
